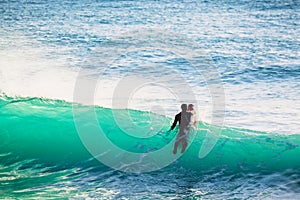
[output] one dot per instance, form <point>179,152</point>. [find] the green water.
<point>42,129</point>
<point>40,145</point>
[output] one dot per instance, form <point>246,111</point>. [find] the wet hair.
<point>183,107</point>
<point>191,106</point>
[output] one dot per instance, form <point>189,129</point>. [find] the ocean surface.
<point>89,89</point>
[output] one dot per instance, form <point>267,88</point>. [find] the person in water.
<point>184,119</point>
<point>193,117</point>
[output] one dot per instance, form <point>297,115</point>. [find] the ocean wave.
<point>44,130</point>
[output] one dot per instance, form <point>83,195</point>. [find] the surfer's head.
<point>183,107</point>
<point>191,107</point>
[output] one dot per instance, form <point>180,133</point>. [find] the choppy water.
<point>250,50</point>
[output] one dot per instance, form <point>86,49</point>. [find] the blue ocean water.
<point>237,61</point>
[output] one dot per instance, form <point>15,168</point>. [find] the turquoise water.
<point>78,76</point>
<point>42,156</point>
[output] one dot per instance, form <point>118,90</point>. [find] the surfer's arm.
<point>177,117</point>
<point>194,118</point>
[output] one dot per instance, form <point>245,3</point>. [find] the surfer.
<point>184,119</point>
<point>193,121</point>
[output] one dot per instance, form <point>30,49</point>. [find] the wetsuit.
<point>187,118</point>
<point>177,119</point>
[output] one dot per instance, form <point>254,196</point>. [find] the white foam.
<point>26,73</point>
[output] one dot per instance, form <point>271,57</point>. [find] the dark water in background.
<point>253,45</point>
